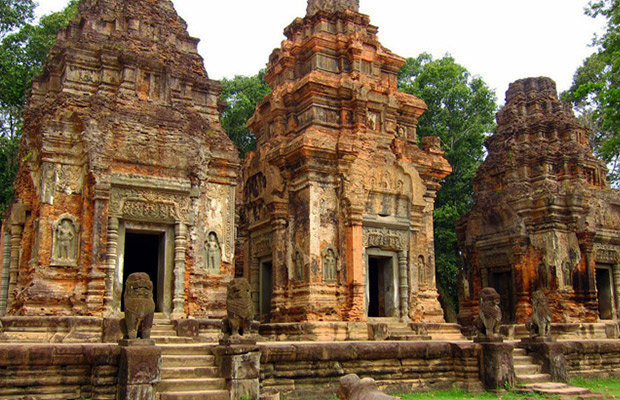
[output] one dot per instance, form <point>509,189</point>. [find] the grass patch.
<point>462,395</point>
<point>608,386</point>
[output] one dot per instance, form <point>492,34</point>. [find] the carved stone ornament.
<point>315,6</point>
<point>239,308</point>
<point>330,264</point>
<point>421,271</point>
<point>139,306</point>
<point>385,239</point>
<point>150,205</point>
<point>212,252</point>
<point>65,241</point>
<point>539,325</point>
<point>490,313</point>
<point>261,246</point>
<point>353,388</point>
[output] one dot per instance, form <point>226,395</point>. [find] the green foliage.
<point>14,13</point>
<point>22,54</point>
<point>607,386</point>
<point>461,111</point>
<point>595,91</point>
<point>242,94</point>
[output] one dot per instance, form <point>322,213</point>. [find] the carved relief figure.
<point>330,262</point>
<point>65,231</point>
<point>213,253</point>
<point>567,274</point>
<point>540,323</point>
<point>421,271</point>
<point>48,185</point>
<point>239,308</point>
<point>543,276</point>
<point>139,305</point>
<point>490,314</point>
<point>299,266</point>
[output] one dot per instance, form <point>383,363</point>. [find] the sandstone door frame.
<point>165,268</point>
<point>391,285</point>
<point>609,294</point>
<point>264,293</point>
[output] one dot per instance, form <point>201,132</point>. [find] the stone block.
<point>139,365</point>
<point>187,327</point>
<point>497,367</point>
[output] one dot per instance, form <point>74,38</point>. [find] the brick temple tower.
<point>338,196</point>
<point>126,169</point>
<point>544,218</point>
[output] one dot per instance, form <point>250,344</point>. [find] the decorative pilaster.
<point>254,284</point>
<point>16,237</point>
<point>403,285</point>
<point>616,285</point>
<point>4,280</point>
<point>110,267</point>
<point>178,302</point>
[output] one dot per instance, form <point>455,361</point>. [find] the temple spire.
<point>332,6</point>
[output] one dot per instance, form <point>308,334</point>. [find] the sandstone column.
<point>178,301</point>
<point>111,265</point>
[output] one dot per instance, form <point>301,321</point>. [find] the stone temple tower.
<point>338,197</point>
<point>544,218</point>
<point>125,169</point>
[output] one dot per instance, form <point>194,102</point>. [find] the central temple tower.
<point>338,197</point>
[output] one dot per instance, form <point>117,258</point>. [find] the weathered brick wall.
<point>312,370</point>
<point>59,372</point>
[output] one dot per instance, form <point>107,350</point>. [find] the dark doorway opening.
<point>604,293</point>
<point>143,254</point>
<point>380,291</point>
<point>266,290</point>
<point>501,281</point>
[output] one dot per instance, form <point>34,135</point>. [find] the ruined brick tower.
<point>338,196</point>
<point>126,169</point>
<point>544,215</point>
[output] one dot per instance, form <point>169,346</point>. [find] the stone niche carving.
<point>298,264</point>
<point>330,264</point>
<point>65,241</point>
<point>212,252</point>
<point>421,271</point>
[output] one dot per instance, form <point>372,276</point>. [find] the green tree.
<point>242,94</point>
<point>461,111</point>
<point>595,91</point>
<point>15,13</point>
<point>22,54</point>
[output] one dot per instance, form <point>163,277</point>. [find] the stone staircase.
<point>188,373</point>
<point>527,369</point>
<point>530,378</point>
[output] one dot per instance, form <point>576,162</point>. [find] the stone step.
<point>527,369</point>
<point>561,389</point>
<point>533,378</point>
<point>176,340</point>
<point>518,351</point>
<point>172,361</point>
<point>521,360</point>
<point>185,349</point>
<point>189,372</point>
<point>196,395</point>
<point>190,385</point>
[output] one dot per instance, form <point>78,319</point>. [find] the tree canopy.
<point>242,94</point>
<point>22,54</point>
<point>595,91</point>
<point>461,111</point>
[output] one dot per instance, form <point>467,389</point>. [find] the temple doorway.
<point>145,252</point>
<point>604,290</point>
<point>265,290</point>
<point>501,280</point>
<point>381,284</point>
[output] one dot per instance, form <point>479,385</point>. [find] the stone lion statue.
<point>354,388</point>
<point>540,322</point>
<point>490,316</point>
<point>239,308</point>
<point>139,305</point>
